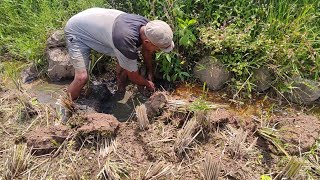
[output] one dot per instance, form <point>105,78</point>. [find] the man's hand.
<point>151,86</point>
<point>150,76</point>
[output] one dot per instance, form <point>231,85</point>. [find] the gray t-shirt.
<point>111,32</point>
<point>126,34</point>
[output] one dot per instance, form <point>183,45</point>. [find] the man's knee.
<point>81,76</point>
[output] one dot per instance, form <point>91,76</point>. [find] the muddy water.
<point>109,103</point>
<point>46,92</point>
<point>102,100</point>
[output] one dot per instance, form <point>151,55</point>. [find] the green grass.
<point>26,24</point>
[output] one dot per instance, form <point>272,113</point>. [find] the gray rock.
<point>304,91</point>
<point>57,39</point>
<point>59,65</point>
<point>211,72</point>
<point>58,59</point>
<point>262,79</point>
<point>29,74</point>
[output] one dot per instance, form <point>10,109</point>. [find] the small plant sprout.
<point>17,162</point>
<point>142,118</point>
<point>158,170</point>
<point>210,168</point>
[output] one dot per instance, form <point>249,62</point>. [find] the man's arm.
<point>147,58</point>
<point>136,78</point>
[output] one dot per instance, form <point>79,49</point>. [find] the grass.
<point>17,162</point>
<point>25,25</point>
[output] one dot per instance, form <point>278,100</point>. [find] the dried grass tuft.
<point>237,146</point>
<point>113,170</point>
<point>107,146</point>
<point>66,102</point>
<point>17,162</point>
<point>158,171</point>
<point>141,112</point>
<point>291,170</point>
<point>186,135</point>
<point>73,174</point>
<point>211,168</point>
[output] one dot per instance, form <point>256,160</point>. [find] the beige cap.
<point>160,34</point>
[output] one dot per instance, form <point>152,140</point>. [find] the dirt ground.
<point>244,142</point>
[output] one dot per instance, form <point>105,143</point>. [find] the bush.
<point>285,39</point>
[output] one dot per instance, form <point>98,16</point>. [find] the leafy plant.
<point>171,66</point>
<point>187,38</point>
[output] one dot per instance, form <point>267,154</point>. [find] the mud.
<point>299,133</point>
<point>47,139</point>
<point>137,150</point>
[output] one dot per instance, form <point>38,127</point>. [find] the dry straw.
<point>17,162</point>
<point>142,118</point>
<point>237,146</point>
<point>187,134</point>
<point>210,168</point>
<point>158,171</point>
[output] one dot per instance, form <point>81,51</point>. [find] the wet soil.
<point>138,150</point>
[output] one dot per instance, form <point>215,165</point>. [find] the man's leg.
<point>121,78</point>
<point>79,81</point>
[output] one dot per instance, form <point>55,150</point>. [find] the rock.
<point>59,65</point>
<point>29,74</point>
<point>58,58</point>
<point>263,79</point>
<point>304,92</point>
<point>155,104</point>
<point>299,133</point>
<point>99,124</point>
<point>211,72</point>
<point>47,139</point>
<point>57,39</point>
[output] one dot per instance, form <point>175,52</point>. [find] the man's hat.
<point>160,34</point>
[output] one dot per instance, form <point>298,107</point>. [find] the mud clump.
<point>155,104</point>
<point>98,125</point>
<point>299,133</point>
<point>47,139</point>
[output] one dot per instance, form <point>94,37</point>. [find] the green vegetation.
<point>244,34</point>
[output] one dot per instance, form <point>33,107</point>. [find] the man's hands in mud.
<point>150,86</point>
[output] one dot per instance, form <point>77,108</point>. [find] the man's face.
<point>150,47</point>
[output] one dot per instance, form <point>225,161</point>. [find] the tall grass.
<point>26,24</point>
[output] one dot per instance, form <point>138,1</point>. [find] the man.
<point>115,33</point>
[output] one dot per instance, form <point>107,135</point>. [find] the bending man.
<point>115,33</point>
